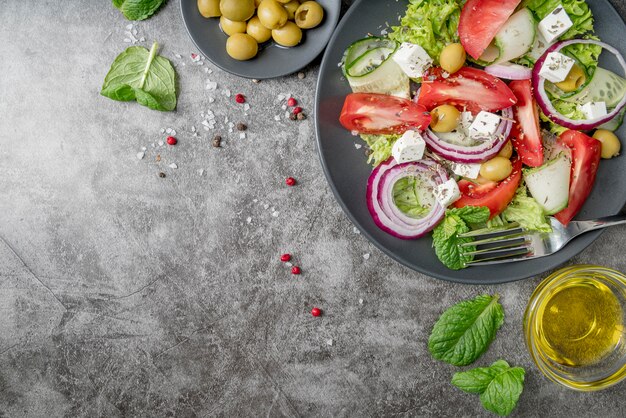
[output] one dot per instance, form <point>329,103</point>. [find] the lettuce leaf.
<point>525,210</point>
<point>380,147</point>
<point>406,197</point>
<point>432,24</point>
<point>577,10</point>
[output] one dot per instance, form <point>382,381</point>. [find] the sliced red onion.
<point>380,198</point>
<point>544,101</point>
<point>509,71</point>
<point>472,154</point>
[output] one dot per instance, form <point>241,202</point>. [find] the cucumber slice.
<point>615,123</point>
<point>361,47</point>
<point>549,184</point>
<point>539,47</point>
<point>489,56</point>
<point>369,61</point>
<point>605,86</point>
<point>517,36</point>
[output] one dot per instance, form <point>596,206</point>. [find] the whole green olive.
<point>610,143</point>
<point>272,14</point>
<point>309,15</point>
<point>291,8</point>
<point>230,28</point>
<point>445,118</point>
<point>241,46</point>
<point>288,35</point>
<point>575,78</point>
<point>209,8</point>
<point>496,169</point>
<point>452,58</point>
<point>259,32</point>
<point>283,1</point>
<point>237,10</point>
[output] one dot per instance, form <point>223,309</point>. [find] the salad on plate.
<point>482,114</point>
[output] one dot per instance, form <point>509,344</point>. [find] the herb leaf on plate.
<point>465,331</point>
<point>137,9</point>
<point>499,385</point>
<point>142,75</point>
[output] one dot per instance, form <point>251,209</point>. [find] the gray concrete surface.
<point>126,294</point>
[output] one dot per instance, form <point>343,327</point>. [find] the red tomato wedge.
<point>480,21</point>
<point>470,88</point>
<point>526,133</point>
<point>495,198</point>
<point>380,114</point>
<point>585,160</point>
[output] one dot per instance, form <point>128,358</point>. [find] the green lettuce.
<point>406,197</point>
<point>432,24</point>
<point>380,147</point>
<point>525,210</point>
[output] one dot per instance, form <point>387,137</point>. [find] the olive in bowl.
<point>209,8</point>
<point>230,27</point>
<point>259,32</point>
<point>272,14</point>
<point>237,10</point>
<point>309,14</point>
<point>242,46</point>
<point>289,35</point>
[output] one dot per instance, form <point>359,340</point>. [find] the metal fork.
<point>513,243</point>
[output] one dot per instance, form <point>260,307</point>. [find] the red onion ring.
<point>475,154</point>
<point>544,101</point>
<point>380,198</point>
<point>509,71</point>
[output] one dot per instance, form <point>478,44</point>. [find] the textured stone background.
<point>125,294</point>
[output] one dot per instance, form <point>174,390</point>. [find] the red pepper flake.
<point>290,181</point>
<point>285,257</point>
<point>297,110</point>
<point>240,98</point>
<point>171,140</point>
<point>292,102</point>
<point>316,311</point>
<point>296,270</point>
<point>194,56</point>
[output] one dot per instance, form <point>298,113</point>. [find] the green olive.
<point>272,14</point>
<point>237,10</point>
<point>283,1</point>
<point>575,78</point>
<point>610,143</point>
<point>241,46</point>
<point>288,35</point>
<point>291,8</point>
<point>209,8</point>
<point>259,32</point>
<point>507,150</point>
<point>496,169</point>
<point>230,28</point>
<point>309,15</point>
<point>445,118</point>
<point>452,58</point>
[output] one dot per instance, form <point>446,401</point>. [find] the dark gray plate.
<point>272,60</point>
<point>347,172</point>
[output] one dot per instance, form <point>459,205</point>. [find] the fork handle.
<point>600,223</point>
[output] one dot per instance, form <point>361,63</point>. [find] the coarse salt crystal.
<point>242,135</point>
<point>201,171</point>
<point>134,31</point>
<point>142,39</point>
<point>173,166</point>
<point>366,256</point>
<point>129,26</point>
<point>276,118</point>
<point>357,146</point>
<point>127,40</point>
<point>178,56</point>
<point>284,107</point>
<point>193,129</point>
<point>173,132</point>
<point>288,264</point>
<point>140,155</point>
<point>211,100</point>
<point>246,107</point>
<point>248,219</point>
<point>360,301</point>
<point>162,130</point>
<point>275,214</point>
<point>168,130</point>
<point>356,230</point>
<point>329,341</point>
<point>266,206</point>
<point>226,93</point>
<point>160,143</point>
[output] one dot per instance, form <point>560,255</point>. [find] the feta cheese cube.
<point>556,67</point>
<point>555,24</point>
<point>409,147</point>
<point>447,193</point>
<point>593,110</point>
<point>466,121</point>
<point>470,171</point>
<point>484,125</point>
<point>413,59</point>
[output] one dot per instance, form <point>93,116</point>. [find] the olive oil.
<point>580,323</point>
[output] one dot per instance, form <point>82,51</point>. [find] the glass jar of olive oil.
<point>574,327</point>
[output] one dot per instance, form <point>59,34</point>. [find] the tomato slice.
<point>495,198</point>
<point>480,21</point>
<point>381,114</point>
<point>526,133</point>
<point>585,161</point>
<point>470,88</point>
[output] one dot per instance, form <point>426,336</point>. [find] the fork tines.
<point>494,246</point>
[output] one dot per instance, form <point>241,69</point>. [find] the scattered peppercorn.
<point>301,116</point>
<point>316,311</point>
<point>285,257</point>
<point>255,81</point>
<point>162,174</point>
<point>301,75</point>
<point>290,181</point>
<point>293,116</point>
<point>242,126</point>
<point>297,110</point>
<point>292,102</point>
<point>171,140</point>
<point>240,98</point>
<point>217,141</point>
<point>158,158</point>
<point>296,270</point>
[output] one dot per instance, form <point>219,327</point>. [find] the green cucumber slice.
<point>605,86</point>
<point>549,184</point>
<point>517,36</point>
<point>614,124</point>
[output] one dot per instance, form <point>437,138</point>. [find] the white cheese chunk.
<point>409,147</point>
<point>469,171</point>
<point>594,110</point>
<point>484,125</point>
<point>555,24</point>
<point>447,193</point>
<point>466,121</point>
<point>413,59</point>
<point>556,67</point>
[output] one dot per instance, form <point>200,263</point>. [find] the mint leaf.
<point>142,75</point>
<point>502,394</point>
<point>138,9</point>
<point>464,331</point>
<point>472,214</point>
<point>477,380</point>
